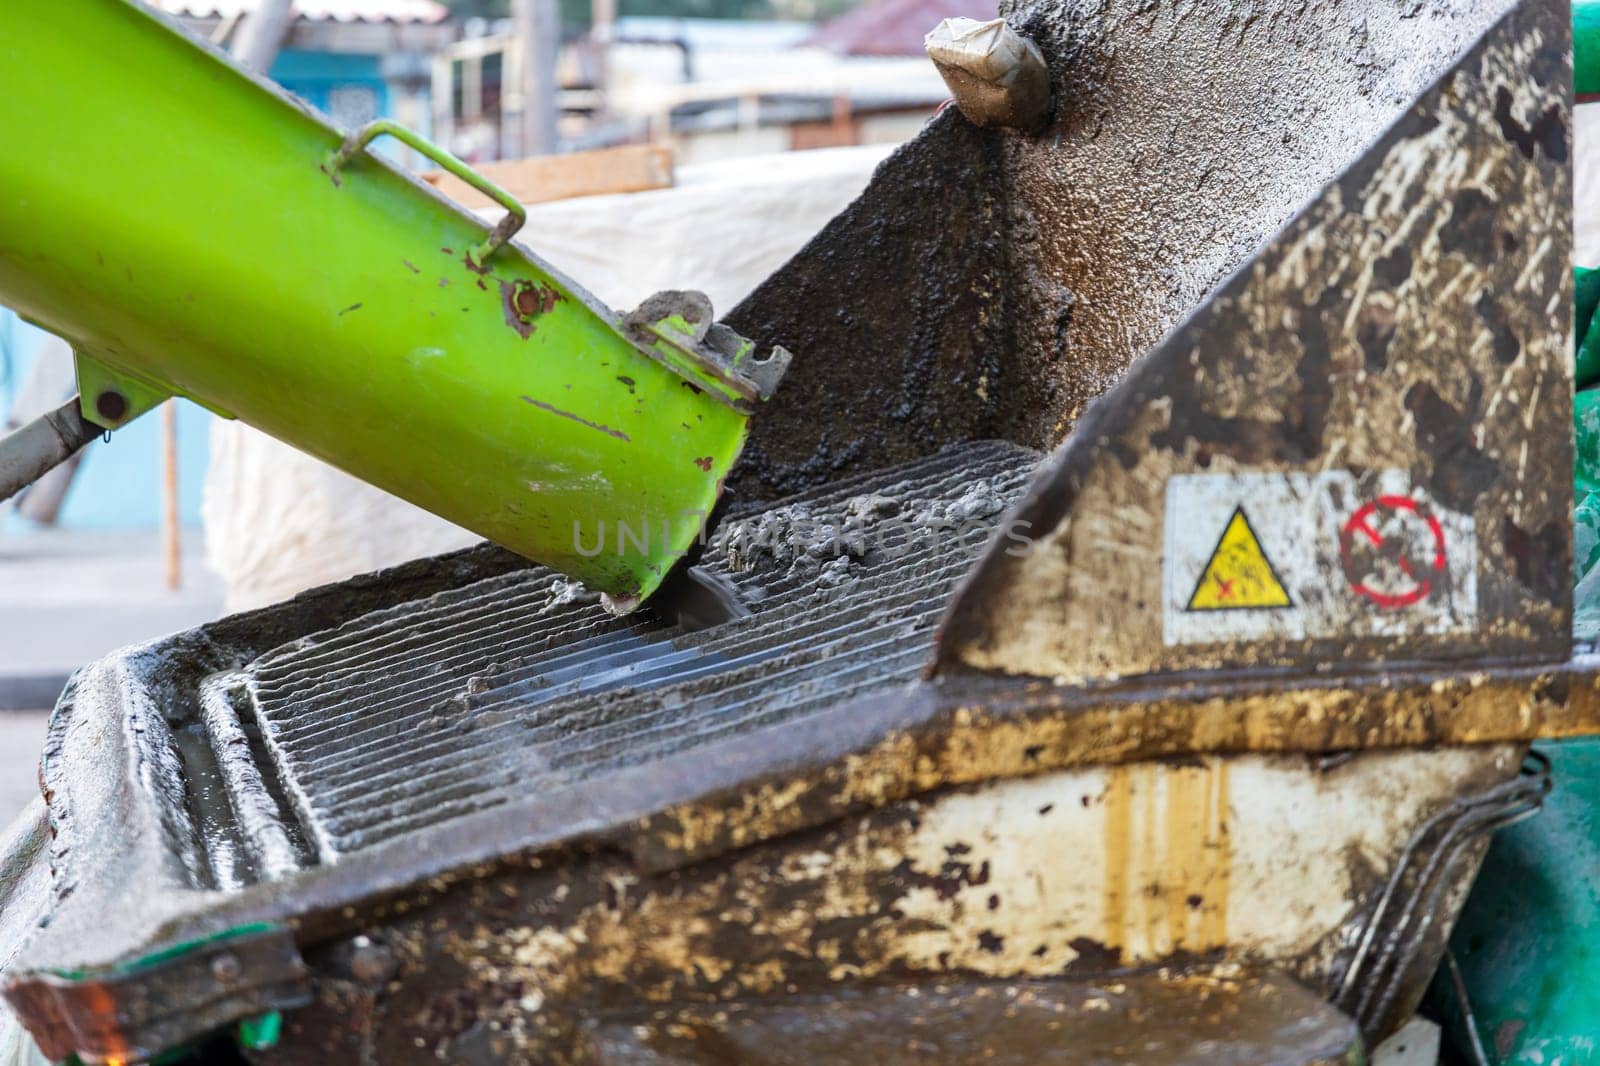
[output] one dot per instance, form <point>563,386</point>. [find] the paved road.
<point>67,598</point>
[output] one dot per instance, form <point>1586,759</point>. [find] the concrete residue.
<point>564,592</point>
<point>997,77</point>
<point>819,542</point>
<point>982,500</point>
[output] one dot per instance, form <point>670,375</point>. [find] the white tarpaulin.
<point>278,522</point>
<point>1586,185</point>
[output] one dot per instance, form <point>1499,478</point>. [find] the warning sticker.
<point>1239,575</point>
<point>1367,553</point>
<point>1296,556</point>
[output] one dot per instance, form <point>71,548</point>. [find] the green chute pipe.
<point>192,231</point>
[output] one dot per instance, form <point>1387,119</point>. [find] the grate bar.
<point>744,639</point>
<point>566,717</point>
<point>412,716</point>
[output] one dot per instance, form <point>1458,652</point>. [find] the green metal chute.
<point>194,232</point>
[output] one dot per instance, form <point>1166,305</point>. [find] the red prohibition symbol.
<point>1417,575</point>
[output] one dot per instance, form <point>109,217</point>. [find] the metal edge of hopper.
<point>1350,346</point>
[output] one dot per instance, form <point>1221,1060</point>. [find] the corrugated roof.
<point>893,27</point>
<point>318,10</point>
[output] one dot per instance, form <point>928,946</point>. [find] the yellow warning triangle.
<point>1239,575</point>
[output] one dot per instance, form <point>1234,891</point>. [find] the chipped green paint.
<point>167,954</point>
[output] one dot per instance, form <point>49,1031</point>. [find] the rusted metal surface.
<point>696,868</point>
<point>849,807</point>
<point>1077,874</point>
<point>161,1004</point>
<point>1209,1018</point>
<point>834,813</point>
<point>1414,319</point>
<point>525,302</point>
<point>964,733</point>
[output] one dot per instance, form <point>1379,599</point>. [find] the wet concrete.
<point>894,315</point>
<point>993,283</point>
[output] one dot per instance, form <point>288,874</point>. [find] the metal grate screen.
<point>408,717</point>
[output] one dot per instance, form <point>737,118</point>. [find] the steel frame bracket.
<point>676,328</point>
<point>152,1004</point>
<point>113,398</point>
